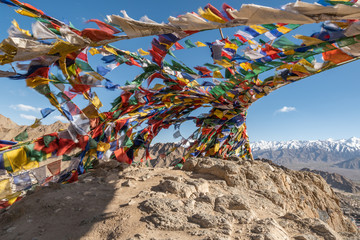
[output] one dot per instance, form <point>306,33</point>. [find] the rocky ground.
<point>350,204</point>
<point>208,199</point>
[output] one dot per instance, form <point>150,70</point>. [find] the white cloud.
<point>29,117</point>
<point>286,109</point>
<point>23,107</point>
<point>61,118</point>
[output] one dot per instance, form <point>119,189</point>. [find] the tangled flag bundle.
<point>53,60</point>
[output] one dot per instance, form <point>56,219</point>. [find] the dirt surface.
<point>208,199</point>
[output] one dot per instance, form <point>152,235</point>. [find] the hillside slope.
<point>210,199</point>
<point>337,181</point>
<point>9,129</point>
<point>353,163</point>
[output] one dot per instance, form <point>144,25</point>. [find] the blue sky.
<point>319,107</point>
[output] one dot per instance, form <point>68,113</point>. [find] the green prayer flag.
<point>171,53</point>
<point>48,139</point>
<point>293,26</point>
<point>189,44</point>
<point>284,43</point>
<point>92,143</point>
<point>83,66</point>
<point>66,158</point>
<point>269,26</point>
<point>237,42</point>
<point>213,67</point>
<point>22,136</point>
<point>34,155</point>
<point>128,142</point>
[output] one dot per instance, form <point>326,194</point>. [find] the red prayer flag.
<point>65,145</point>
<point>225,7</point>
<point>121,156</point>
<point>54,167</point>
<point>215,11</point>
<point>104,26</point>
<point>178,46</point>
<point>96,35</point>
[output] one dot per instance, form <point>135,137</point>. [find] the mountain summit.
<point>294,151</point>
<point>7,123</point>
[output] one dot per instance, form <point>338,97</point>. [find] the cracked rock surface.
<point>208,199</point>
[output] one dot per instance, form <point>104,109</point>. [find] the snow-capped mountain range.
<point>330,151</point>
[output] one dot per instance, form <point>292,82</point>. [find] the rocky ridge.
<point>337,181</point>
<point>353,163</point>
<point>209,199</point>
<point>9,129</point>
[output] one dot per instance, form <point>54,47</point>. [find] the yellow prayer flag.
<point>289,52</point>
<point>254,45</point>
<point>26,32</point>
<point>5,188</point>
<point>31,165</point>
<point>34,82</point>
<point>224,63</point>
<point>167,46</point>
<point>306,63</point>
<point>246,66</point>
<point>217,74</point>
<point>308,40</point>
<point>283,29</point>
<point>231,46</point>
<point>237,151</point>
<point>111,50</point>
<point>158,86</point>
<point>218,113</point>
<point>36,123</point>
<point>259,29</point>
<point>286,65</point>
<point>200,44</point>
<point>93,51</point>
<point>103,147</point>
<point>90,111</point>
<point>217,147</point>
<point>177,101</point>
<point>12,198</point>
<point>229,116</point>
<point>142,52</point>
<point>207,14</point>
<point>168,104</point>
<point>193,84</point>
<point>17,158</point>
<point>96,75</point>
<point>63,48</point>
<point>96,101</point>
<point>260,95</point>
<point>26,13</point>
<point>230,95</point>
<point>184,80</point>
<point>54,102</point>
<point>299,68</point>
<point>62,65</point>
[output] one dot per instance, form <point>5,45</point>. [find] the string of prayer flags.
<point>53,59</point>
